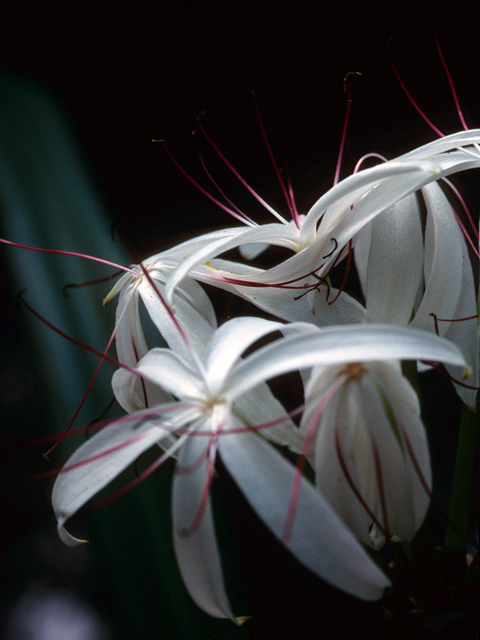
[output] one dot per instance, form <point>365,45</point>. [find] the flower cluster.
<point>358,426</point>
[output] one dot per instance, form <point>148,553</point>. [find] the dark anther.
<point>333,250</point>
<point>435,319</point>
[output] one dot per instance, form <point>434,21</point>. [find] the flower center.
<point>354,370</point>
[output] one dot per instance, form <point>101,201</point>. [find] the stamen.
<point>452,88</point>
<point>445,374</point>
<point>137,358</point>
<point>415,105</point>
<point>241,216</point>
<point>90,282</point>
<point>354,488</point>
<point>212,452</point>
<point>333,250</point>
<point>290,204</point>
<point>73,340</point>
<point>85,396</point>
<point>347,89</point>
<point>467,213</point>
<point>306,444</point>
<point>67,253</point>
<point>155,288</point>
<point>381,488</point>
<point>347,270</point>
<point>239,177</point>
<point>195,184</point>
<point>367,156</point>
<point>90,425</point>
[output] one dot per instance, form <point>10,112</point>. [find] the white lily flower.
<point>370,451</point>
<point>206,421</point>
<point>338,216</point>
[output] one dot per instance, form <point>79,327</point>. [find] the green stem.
<point>462,481</point>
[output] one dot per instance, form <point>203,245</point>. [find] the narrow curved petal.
<point>395,261</point>
<point>196,328</point>
<point>288,304</point>
<point>443,261</point>
<point>98,461</point>
<point>337,345</point>
<point>196,551</point>
<point>319,539</point>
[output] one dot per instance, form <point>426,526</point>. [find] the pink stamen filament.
<point>197,521</point>
<point>137,358</point>
<point>199,187</point>
<point>82,402</point>
<point>90,282</point>
<point>155,288</point>
<point>241,216</point>
<point>353,486</point>
<point>466,210</point>
<point>452,87</point>
<point>239,177</point>
<point>367,157</point>
<point>78,343</point>
<point>381,488</point>
<point>290,204</point>
<point>444,373</point>
<point>174,430</point>
<point>347,270</point>
<point>345,127</point>
<point>68,253</point>
<point>414,104</point>
<point>306,444</point>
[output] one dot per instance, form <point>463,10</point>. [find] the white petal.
<point>319,539</point>
<point>229,342</point>
<point>336,345</point>
<point>123,441</point>
<point>169,372</point>
<point>197,552</point>
<point>395,261</point>
<point>443,261</point>
<point>287,304</point>
<point>277,234</point>
<point>130,392</point>
<point>197,329</point>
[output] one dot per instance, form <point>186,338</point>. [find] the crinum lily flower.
<point>320,239</point>
<point>206,423</point>
<point>369,449</point>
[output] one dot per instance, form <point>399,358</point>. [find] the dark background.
<point>129,72</point>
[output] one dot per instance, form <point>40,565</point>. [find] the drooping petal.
<point>285,303</point>
<point>443,261</point>
<point>337,345</point>
<point>99,460</point>
<point>464,333</point>
<point>393,272</point>
<point>319,539</point>
<point>196,547</point>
